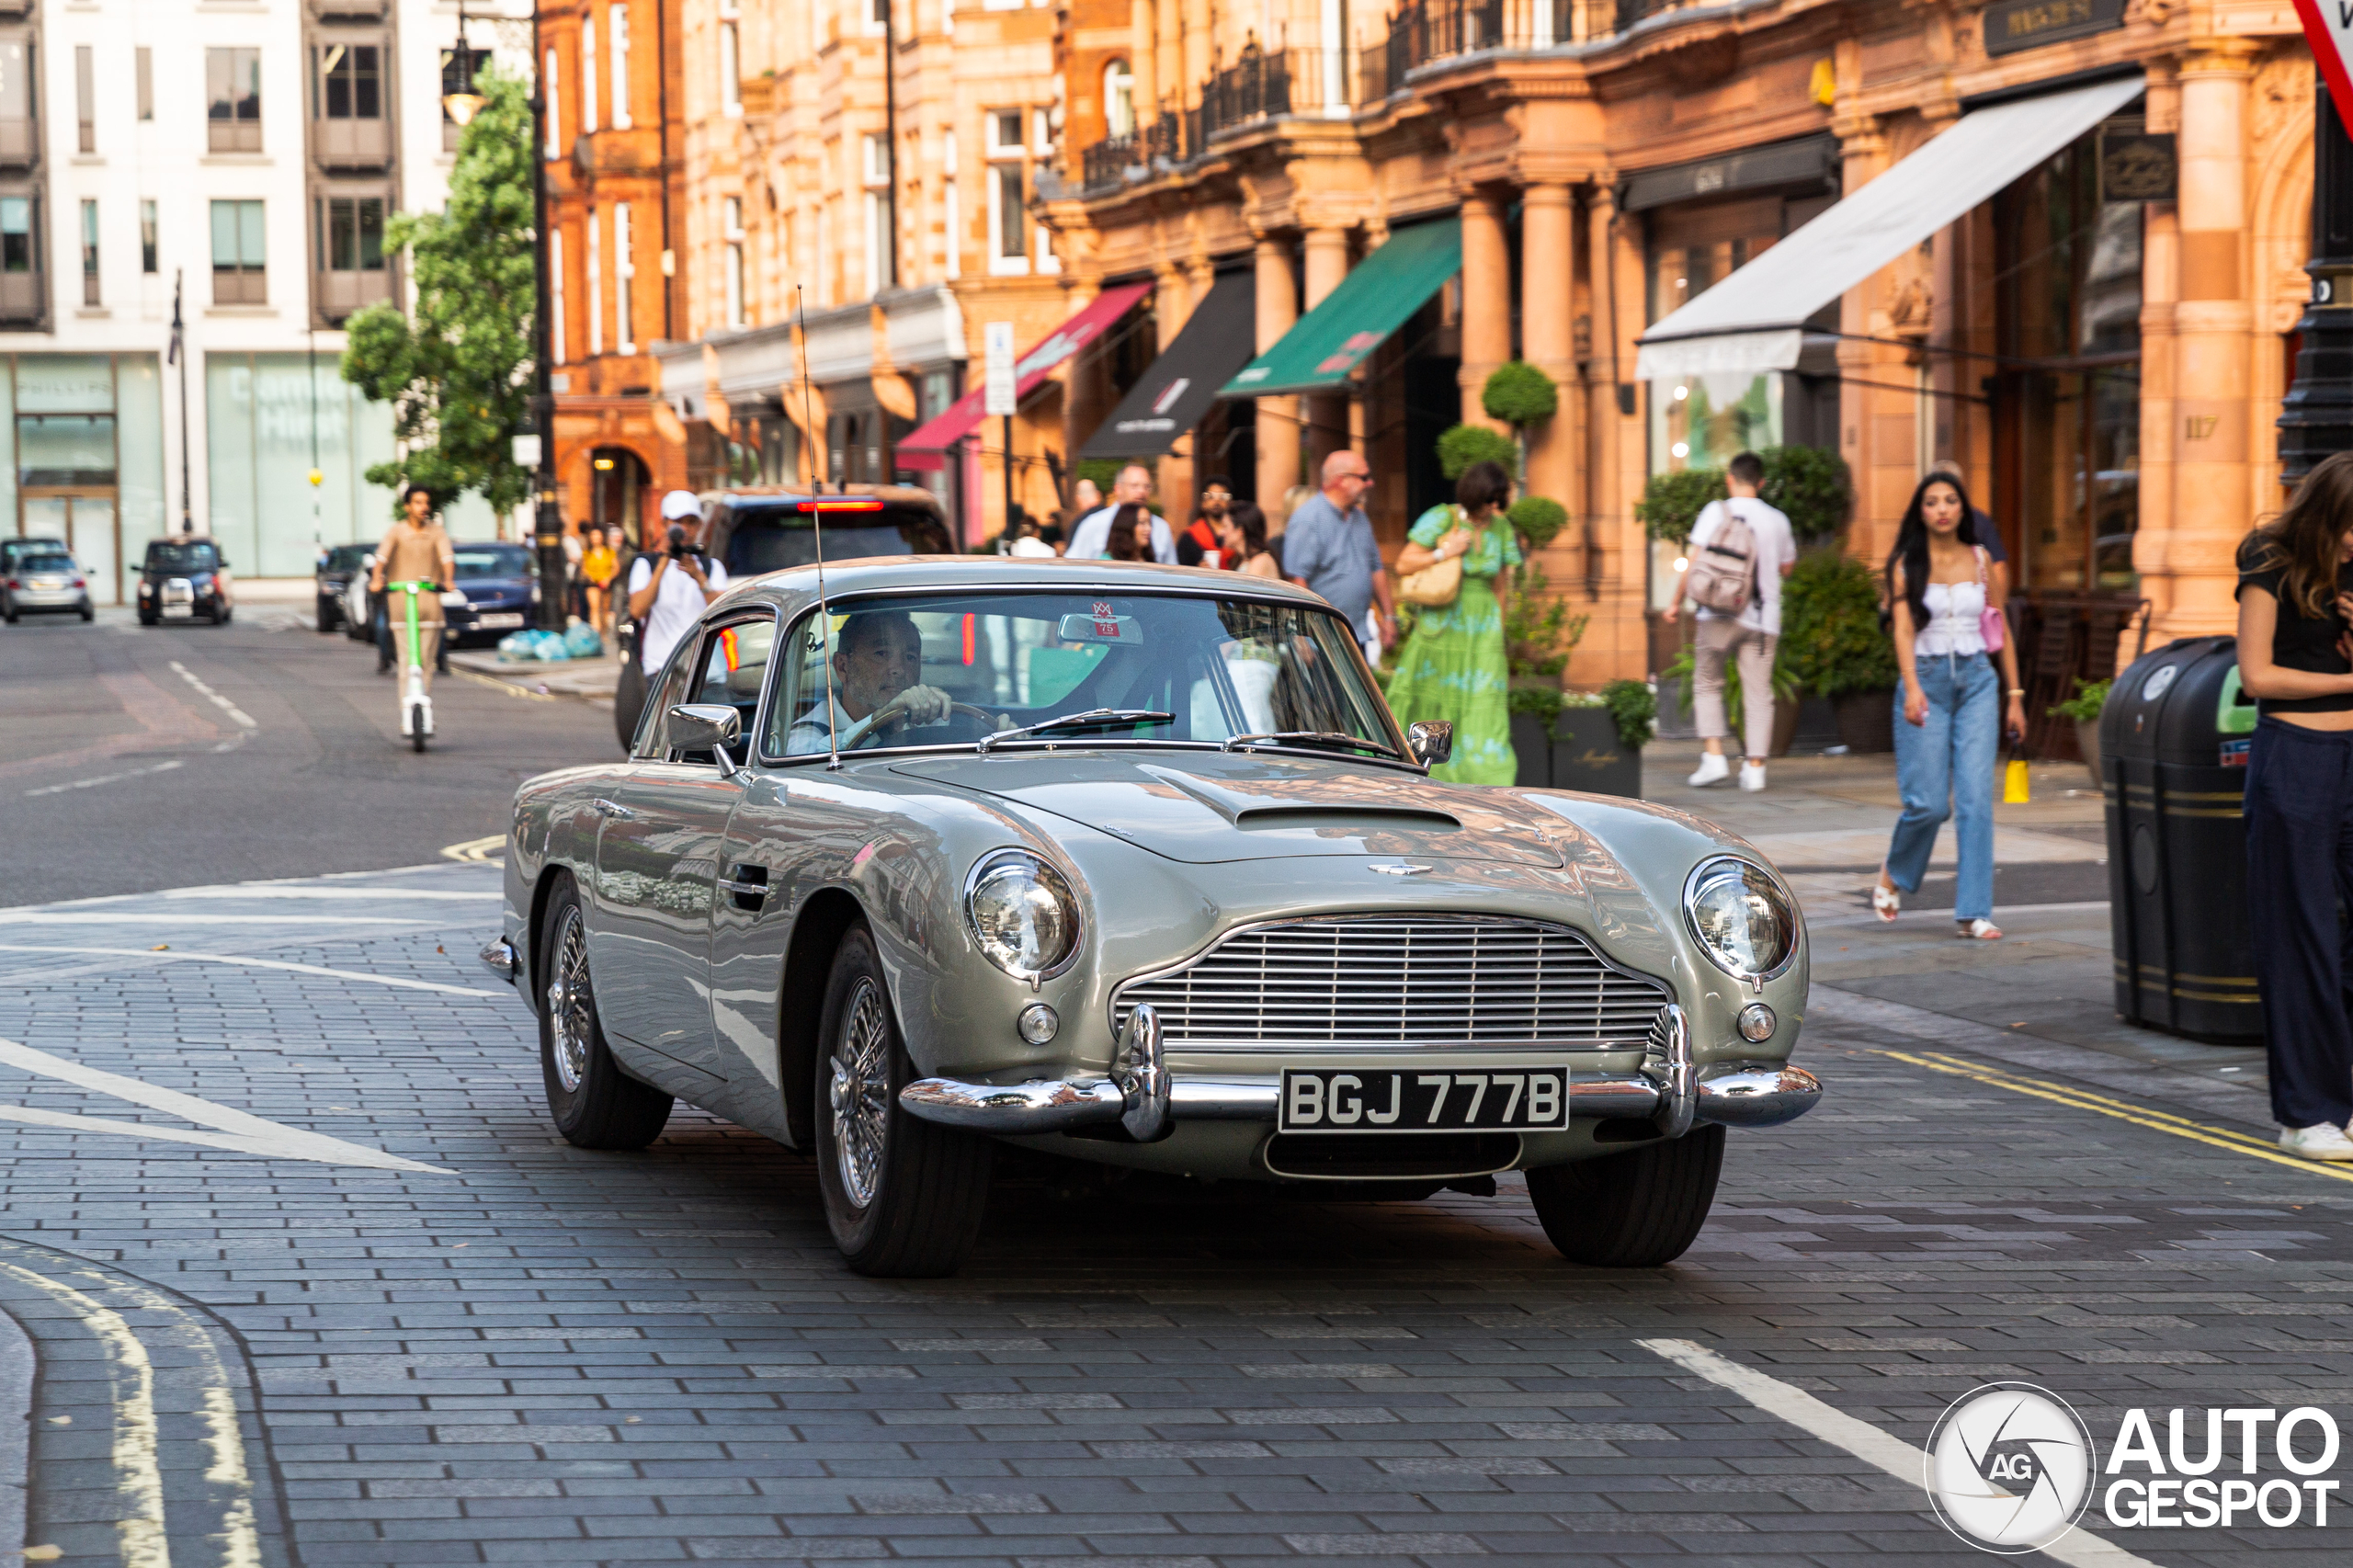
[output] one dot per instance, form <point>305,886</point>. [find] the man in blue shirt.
<point>1329,548</point>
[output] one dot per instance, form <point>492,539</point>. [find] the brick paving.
<point>560,1357</point>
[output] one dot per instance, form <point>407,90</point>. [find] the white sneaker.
<point>1752,776</point>
<point>1713,769</point>
<point>2322,1142</point>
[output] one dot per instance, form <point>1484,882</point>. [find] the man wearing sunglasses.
<point>1329,548</point>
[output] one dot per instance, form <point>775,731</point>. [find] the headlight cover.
<point>1020,910</point>
<point>1742,917</point>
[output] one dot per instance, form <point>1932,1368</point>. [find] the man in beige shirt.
<point>415,549</point>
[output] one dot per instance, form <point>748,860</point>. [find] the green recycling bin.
<point>2173,746</point>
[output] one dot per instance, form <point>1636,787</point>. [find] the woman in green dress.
<point>1453,665</point>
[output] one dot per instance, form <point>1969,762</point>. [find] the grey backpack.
<point>1722,575</point>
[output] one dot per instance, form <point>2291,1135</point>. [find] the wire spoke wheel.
<point>860,1093</point>
<point>568,1002</point>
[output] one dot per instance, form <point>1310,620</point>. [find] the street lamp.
<point>2316,416</point>
<point>462,102</point>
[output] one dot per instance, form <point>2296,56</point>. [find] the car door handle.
<point>613,810</point>
<point>748,885</point>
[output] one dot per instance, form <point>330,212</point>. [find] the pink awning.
<point>927,446</point>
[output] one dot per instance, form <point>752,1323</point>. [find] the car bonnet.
<point>1207,807</point>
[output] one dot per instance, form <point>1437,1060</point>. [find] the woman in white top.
<point>1947,612</point>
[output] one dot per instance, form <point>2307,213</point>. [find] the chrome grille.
<point>1390,982</point>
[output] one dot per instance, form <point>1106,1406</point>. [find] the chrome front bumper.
<point>1670,1093</point>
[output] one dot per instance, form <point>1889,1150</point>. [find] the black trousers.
<point>2298,866</point>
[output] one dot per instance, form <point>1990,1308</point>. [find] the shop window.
<point>238,274</point>
<point>264,416</point>
<point>233,94</point>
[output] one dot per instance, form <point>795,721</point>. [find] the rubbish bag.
<point>549,646</point>
<point>514,648</point>
<point>581,641</point>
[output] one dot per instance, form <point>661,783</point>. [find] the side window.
<point>796,720</point>
<point>667,691</point>
<point>728,671</point>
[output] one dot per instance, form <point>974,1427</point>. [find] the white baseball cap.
<point>681,503</point>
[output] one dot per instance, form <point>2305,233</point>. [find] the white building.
<point>248,151</point>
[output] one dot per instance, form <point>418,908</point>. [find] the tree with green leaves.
<point>459,375</point>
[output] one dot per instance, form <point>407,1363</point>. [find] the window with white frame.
<point>730,68</point>
<point>875,159</point>
<point>624,278</point>
<point>731,223</point>
<point>1008,192</point>
<point>587,75</point>
<point>555,296</point>
<point>1119,99</point>
<point>616,32</point>
<point>951,210</point>
<point>552,88</point>
<point>595,287</point>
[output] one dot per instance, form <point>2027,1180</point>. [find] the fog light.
<point>1037,1023</point>
<point>1756,1023</point>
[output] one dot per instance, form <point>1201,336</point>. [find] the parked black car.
<point>182,579</point>
<point>337,565</point>
<point>500,583</point>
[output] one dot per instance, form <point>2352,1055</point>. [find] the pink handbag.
<point>1991,624</point>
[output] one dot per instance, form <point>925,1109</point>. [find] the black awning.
<point>1218,340</point>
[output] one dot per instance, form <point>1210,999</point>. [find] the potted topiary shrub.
<point>1597,739</point>
<point>1831,645</point>
<point>1672,501</point>
<point>1463,444</point>
<point>1810,487</point>
<point>2084,708</point>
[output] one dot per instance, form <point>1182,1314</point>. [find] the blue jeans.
<point>1945,768</point>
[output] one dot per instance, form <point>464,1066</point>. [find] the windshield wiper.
<point>1088,719</point>
<point>1309,738</point>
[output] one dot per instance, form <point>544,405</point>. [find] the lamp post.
<point>2316,416</point>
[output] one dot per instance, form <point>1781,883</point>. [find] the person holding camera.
<point>667,592</point>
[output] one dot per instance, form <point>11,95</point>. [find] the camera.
<point>678,540</point>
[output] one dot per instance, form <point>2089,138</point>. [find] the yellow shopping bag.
<point>2014,780</point>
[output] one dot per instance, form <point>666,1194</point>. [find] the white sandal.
<point>1886,903</point>
<point>1977,931</point>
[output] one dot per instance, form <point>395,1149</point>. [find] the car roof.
<point>760,496</point>
<point>795,585</point>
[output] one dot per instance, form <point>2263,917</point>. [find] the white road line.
<point>2080,1549</point>
<point>236,714</point>
<point>138,1474</point>
<point>176,957</point>
<point>272,890</point>
<point>38,916</point>
<point>263,1137</point>
<point>104,778</point>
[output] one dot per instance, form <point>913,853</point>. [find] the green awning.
<point>1357,318</point>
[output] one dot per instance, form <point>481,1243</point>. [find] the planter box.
<point>1532,749</point>
<point>1583,755</point>
<point>1866,719</point>
<point>2088,742</point>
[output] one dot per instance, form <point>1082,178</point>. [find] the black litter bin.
<point>2173,750</point>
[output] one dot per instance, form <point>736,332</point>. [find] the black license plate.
<point>1367,1099</point>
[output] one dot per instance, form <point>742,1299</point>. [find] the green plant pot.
<point>1531,749</point>
<point>1587,755</point>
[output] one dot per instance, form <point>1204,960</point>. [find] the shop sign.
<point>2027,24</point>
<point>2137,166</point>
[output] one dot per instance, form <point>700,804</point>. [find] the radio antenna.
<point>817,521</point>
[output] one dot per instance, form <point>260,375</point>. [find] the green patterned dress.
<point>1454,665</point>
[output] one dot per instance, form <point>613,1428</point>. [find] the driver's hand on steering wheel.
<point>920,705</point>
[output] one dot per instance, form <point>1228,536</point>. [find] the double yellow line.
<point>2121,1110</point>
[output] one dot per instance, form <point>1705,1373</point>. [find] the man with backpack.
<point>666,591</point>
<point>1740,551</point>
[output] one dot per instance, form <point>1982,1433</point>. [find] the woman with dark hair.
<point>1453,665</point>
<point>1948,629</point>
<point>2293,660</point>
<point>1130,535</point>
<point>1242,542</point>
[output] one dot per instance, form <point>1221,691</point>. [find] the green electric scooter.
<point>416,708</point>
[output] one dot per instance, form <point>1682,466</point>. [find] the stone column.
<point>1278,309</point>
<point>1878,429</point>
<point>1144,61</point>
<point>2211,320</point>
<point>1486,301</point>
<point>1327,414</point>
<point>1086,384</point>
<point>1173,296</point>
<point>1548,333</point>
<point>1169,48</point>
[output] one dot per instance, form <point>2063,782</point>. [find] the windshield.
<point>493,561</point>
<point>344,558</point>
<point>182,558</point>
<point>948,669</point>
<point>769,539</point>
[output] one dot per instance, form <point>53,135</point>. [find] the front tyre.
<point>594,1105</point>
<point>904,1196</point>
<point>1633,1211</point>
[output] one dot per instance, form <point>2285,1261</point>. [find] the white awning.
<point>1752,320</point>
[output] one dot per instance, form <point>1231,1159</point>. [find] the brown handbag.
<point>1436,586</point>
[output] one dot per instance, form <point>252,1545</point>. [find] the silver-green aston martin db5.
<point>1130,865</point>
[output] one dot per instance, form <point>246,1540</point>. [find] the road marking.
<point>2123,1111</point>
<point>236,714</point>
<point>105,779</point>
<point>37,916</point>
<point>476,849</point>
<point>176,956</point>
<point>258,1135</point>
<point>278,890</point>
<point>508,687</point>
<point>139,1475</point>
<point>2080,1549</point>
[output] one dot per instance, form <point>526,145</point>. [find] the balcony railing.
<point>1423,31</point>
<point>1256,86</point>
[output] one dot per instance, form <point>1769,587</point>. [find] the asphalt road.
<point>133,759</point>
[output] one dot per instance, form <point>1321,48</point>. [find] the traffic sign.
<point>2328,28</point>
<point>997,391</point>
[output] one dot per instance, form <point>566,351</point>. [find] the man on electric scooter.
<point>415,549</point>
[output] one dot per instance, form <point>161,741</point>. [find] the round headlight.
<point>1742,917</point>
<point>1022,915</point>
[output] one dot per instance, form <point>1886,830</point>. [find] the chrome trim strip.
<point>1677,1077</point>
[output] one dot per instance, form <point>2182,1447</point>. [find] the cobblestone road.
<point>399,1321</point>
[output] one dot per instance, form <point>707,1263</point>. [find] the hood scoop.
<point>1343,819</point>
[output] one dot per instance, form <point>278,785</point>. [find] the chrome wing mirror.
<point>1432,741</point>
<point>707,726</point>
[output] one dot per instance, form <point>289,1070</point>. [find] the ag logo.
<point>2009,1467</point>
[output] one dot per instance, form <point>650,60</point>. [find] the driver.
<point>878,671</point>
